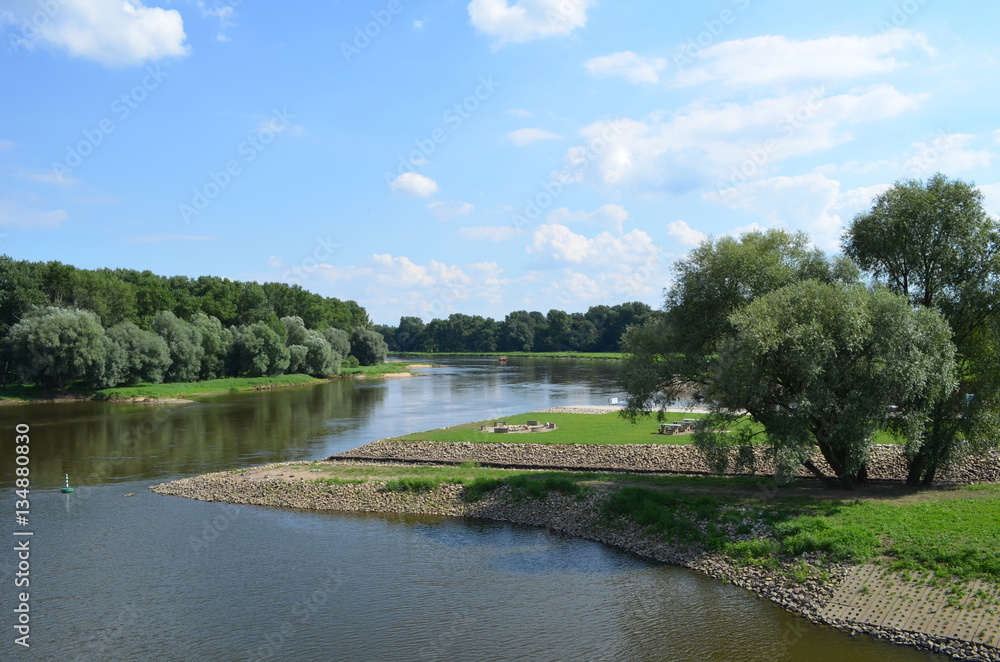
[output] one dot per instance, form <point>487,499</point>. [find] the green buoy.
<point>67,489</point>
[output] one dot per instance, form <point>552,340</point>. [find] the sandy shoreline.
<point>829,602</point>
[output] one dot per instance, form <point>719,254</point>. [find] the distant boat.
<point>67,489</point>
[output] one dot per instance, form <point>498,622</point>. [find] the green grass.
<point>615,356</point>
<point>607,428</point>
<point>188,389</point>
<point>35,392</point>
<point>374,370</point>
<point>951,532</point>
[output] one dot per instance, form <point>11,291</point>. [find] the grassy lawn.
<point>375,370</point>
<point>607,428</point>
<point>617,356</point>
<point>948,531</point>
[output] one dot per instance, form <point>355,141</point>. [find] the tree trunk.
<point>829,482</point>
<point>836,463</point>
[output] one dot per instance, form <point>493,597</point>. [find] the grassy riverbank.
<point>609,428</point>
<point>176,390</point>
<point>604,356</point>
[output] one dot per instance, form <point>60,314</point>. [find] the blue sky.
<point>477,157</point>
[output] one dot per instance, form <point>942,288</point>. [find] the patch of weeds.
<point>339,481</point>
<point>416,484</point>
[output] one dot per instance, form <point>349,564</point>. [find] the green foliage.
<point>148,356</point>
<point>215,343</point>
<point>934,242</point>
<point>340,341</point>
<point>257,350</point>
<point>669,356</point>
<point>821,364</point>
<point>417,484</point>
<point>53,345</point>
<point>184,343</point>
<point>368,346</point>
<point>297,359</point>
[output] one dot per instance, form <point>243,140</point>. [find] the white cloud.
<point>488,233</point>
<point>156,238</point>
<point>684,234</point>
<point>812,202</point>
<point>946,152</point>
<point>704,143</point>
<point>115,33</point>
<point>16,213</point>
<point>628,65</point>
<point>398,285</point>
<point>561,244</point>
<point>523,137</point>
<point>576,290</point>
<point>774,59</point>
<point>413,183</point>
<point>526,20</point>
<point>418,24</point>
<point>610,215</point>
<point>447,210</point>
<point>275,261</point>
<point>521,112</point>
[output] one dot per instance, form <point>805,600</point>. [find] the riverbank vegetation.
<point>900,333</point>
<point>951,532</point>
<point>600,329</point>
<point>595,356</point>
<point>113,329</point>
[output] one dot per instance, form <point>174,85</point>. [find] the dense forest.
<point>600,329</point>
<point>118,327</point>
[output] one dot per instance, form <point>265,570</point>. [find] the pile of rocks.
<point>887,461</point>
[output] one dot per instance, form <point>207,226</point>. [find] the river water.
<point>150,577</point>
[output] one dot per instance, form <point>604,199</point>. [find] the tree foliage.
<point>52,345</point>
<point>670,356</point>
<point>821,365</point>
<point>184,343</point>
<point>368,346</point>
<point>933,242</point>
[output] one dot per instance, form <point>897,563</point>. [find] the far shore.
<point>181,392</point>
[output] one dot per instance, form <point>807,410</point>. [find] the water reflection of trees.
<point>98,443</point>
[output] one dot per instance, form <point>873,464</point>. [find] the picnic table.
<point>670,428</point>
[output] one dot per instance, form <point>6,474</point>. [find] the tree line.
<point>127,295</point>
<point>600,329</point>
<point>63,324</point>
<point>898,334</point>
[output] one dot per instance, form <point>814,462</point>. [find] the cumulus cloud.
<point>561,244</point>
<point>684,234</point>
<point>115,33</point>
<point>704,143</point>
<point>526,20</point>
<point>628,65</point>
<point>774,59</point>
<point>447,210</point>
<point>813,202</point>
<point>413,183</point>
<point>523,137</point>
<point>945,152</point>
<point>396,283</point>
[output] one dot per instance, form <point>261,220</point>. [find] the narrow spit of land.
<point>917,567</point>
<point>179,391</point>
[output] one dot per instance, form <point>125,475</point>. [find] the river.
<point>149,577</point>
